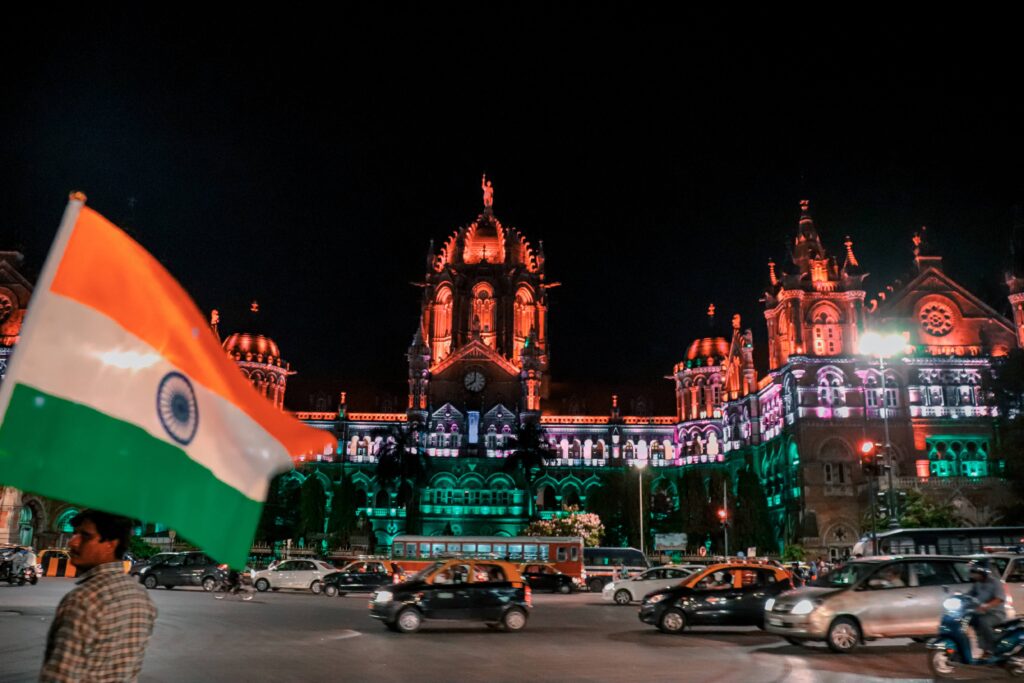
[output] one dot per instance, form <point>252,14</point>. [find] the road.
<point>294,636</point>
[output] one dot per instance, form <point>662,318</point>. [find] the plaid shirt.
<point>101,629</point>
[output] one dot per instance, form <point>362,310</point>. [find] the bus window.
<point>574,553</point>
<point>469,548</point>
<point>437,550</point>
<point>515,551</point>
<point>562,553</point>
<point>529,552</point>
<point>500,549</point>
<point>424,550</point>
<point>544,556</point>
<point>398,550</point>
<point>483,549</point>
<point>454,547</point>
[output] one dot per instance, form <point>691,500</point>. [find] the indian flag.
<point>120,397</point>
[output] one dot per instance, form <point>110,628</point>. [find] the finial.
<point>254,306</point>
<point>805,207</point>
<point>77,196</point>
<point>771,272</point>
<point>850,258</point>
<point>488,189</point>
<point>736,321</point>
<point>214,318</point>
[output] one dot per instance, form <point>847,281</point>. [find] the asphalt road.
<point>301,637</point>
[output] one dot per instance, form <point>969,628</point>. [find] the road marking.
<point>343,635</point>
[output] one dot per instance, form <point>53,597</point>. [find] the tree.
<point>751,522</point>
<point>1008,391</point>
<point>312,504</point>
<point>691,517</point>
<point>404,467</point>
<point>916,511</point>
<point>528,458</point>
<point>606,501</point>
<point>342,521</point>
<point>586,525</point>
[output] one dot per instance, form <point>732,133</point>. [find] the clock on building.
<point>474,380</point>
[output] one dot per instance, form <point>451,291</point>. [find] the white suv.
<point>297,574</point>
<point>625,591</point>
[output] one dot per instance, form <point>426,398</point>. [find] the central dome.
<point>252,347</point>
<point>485,241</point>
<point>708,347</point>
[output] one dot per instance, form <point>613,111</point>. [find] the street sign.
<point>752,552</point>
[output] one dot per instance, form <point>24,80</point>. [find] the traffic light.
<point>722,515</point>
<point>870,457</point>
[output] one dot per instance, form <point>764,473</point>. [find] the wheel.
<point>843,635</point>
<point>262,585</point>
<point>672,621</point>
<point>149,582</point>
<point>514,620</point>
<point>409,620</point>
<point>795,641</point>
<point>1015,666</point>
<point>316,587</point>
<point>595,585</point>
<point>209,583</point>
<point>565,589</point>
<point>623,597</point>
<point>938,662</point>
<point>330,590</point>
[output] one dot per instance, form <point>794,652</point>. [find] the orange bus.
<point>565,553</point>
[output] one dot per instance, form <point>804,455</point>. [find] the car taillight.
<point>529,596</point>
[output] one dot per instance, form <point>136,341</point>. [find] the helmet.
<point>977,567</point>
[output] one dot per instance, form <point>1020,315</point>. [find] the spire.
<point>711,316</point>
<point>851,260</point>
<point>214,322</point>
<point>807,246</point>
<point>254,307</point>
<point>924,256</point>
<point>771,272</point>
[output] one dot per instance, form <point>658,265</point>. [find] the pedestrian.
<point>102,626</point>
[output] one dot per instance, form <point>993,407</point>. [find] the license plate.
<point>775,622</point>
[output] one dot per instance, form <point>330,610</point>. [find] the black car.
<point>717,596</point>
<point>178,569</point>
<point>355,577</point>
<point>139,565</point>
<point>544,577</point>
<point>490,591</point>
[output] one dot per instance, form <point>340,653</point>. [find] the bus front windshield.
<point>844,576</point>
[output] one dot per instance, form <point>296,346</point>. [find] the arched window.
<point>482,314</point>
<point>571,497</point>
<point>382,500</point>
<point>599,449</point>
<point>628,450</point>
<point>892,392</point>
<point>872,392</point>
<point>523,319</point>
<point>546,498</point>
<point>826,331</point>
<point>831,389</point>
<point>441,335</point>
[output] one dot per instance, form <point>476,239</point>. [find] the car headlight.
<point>769,605</point>
<point>952,604</point>
<point>654,598</point>
<point>383,597</point>
<point>803,607</point>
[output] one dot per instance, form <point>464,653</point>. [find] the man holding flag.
<point>120,398</point>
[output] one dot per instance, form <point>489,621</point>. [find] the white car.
<point>625,591</point>
<point>297,574</point>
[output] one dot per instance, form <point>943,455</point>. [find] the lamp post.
<point>640,465</point>
<point>884,346</point>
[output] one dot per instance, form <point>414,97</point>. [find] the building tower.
<point>260,361</point>
<point>1015,276</point>
<point>817,310</point>
<point>484,312</point>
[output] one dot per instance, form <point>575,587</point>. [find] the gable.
<point>476,352</point>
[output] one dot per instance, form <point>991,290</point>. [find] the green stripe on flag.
<point>65,450</point>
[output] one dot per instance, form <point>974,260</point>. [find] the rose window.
<point>6,307</point>
<point>936,319</point>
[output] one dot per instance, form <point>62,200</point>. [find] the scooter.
<point>954,648</point>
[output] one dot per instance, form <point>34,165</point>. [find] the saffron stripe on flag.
<point>105,269</point>
<point>121,468</point>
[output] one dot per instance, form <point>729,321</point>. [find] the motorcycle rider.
<point>24,559</point>
<point>988,591</point>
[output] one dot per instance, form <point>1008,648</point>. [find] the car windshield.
<point>844,576</point>
<point>422,574</point>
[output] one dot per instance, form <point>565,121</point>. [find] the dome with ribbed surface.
<point>252,347</point>
<point>708,347</point>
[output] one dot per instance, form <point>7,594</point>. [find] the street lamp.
<point>883,346</point>
<point>640,465</point>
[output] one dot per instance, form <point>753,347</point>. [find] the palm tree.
<point>528,458</point>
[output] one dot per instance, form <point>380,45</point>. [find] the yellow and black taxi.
<point>491,591</point>
<point>726,594</point>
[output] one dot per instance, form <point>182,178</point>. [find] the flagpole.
<point>76,200</point>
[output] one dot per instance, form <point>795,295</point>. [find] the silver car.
<point>1010,568</point>
<point>878,597</point>
<point>625,591</point>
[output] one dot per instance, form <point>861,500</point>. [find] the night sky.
<point>308,163</point>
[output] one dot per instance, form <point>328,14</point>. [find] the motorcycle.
<point>224,586</point>
<point>955,648</point>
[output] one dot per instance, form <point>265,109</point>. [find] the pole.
<point>872,503</point>
<point>893,519</point>
<point>725,520</point>
<point>640,498</point>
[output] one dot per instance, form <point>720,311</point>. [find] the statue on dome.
<point>488,189</point>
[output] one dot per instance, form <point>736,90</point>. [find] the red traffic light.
<point>867,448</point>
<point>722,514</point>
